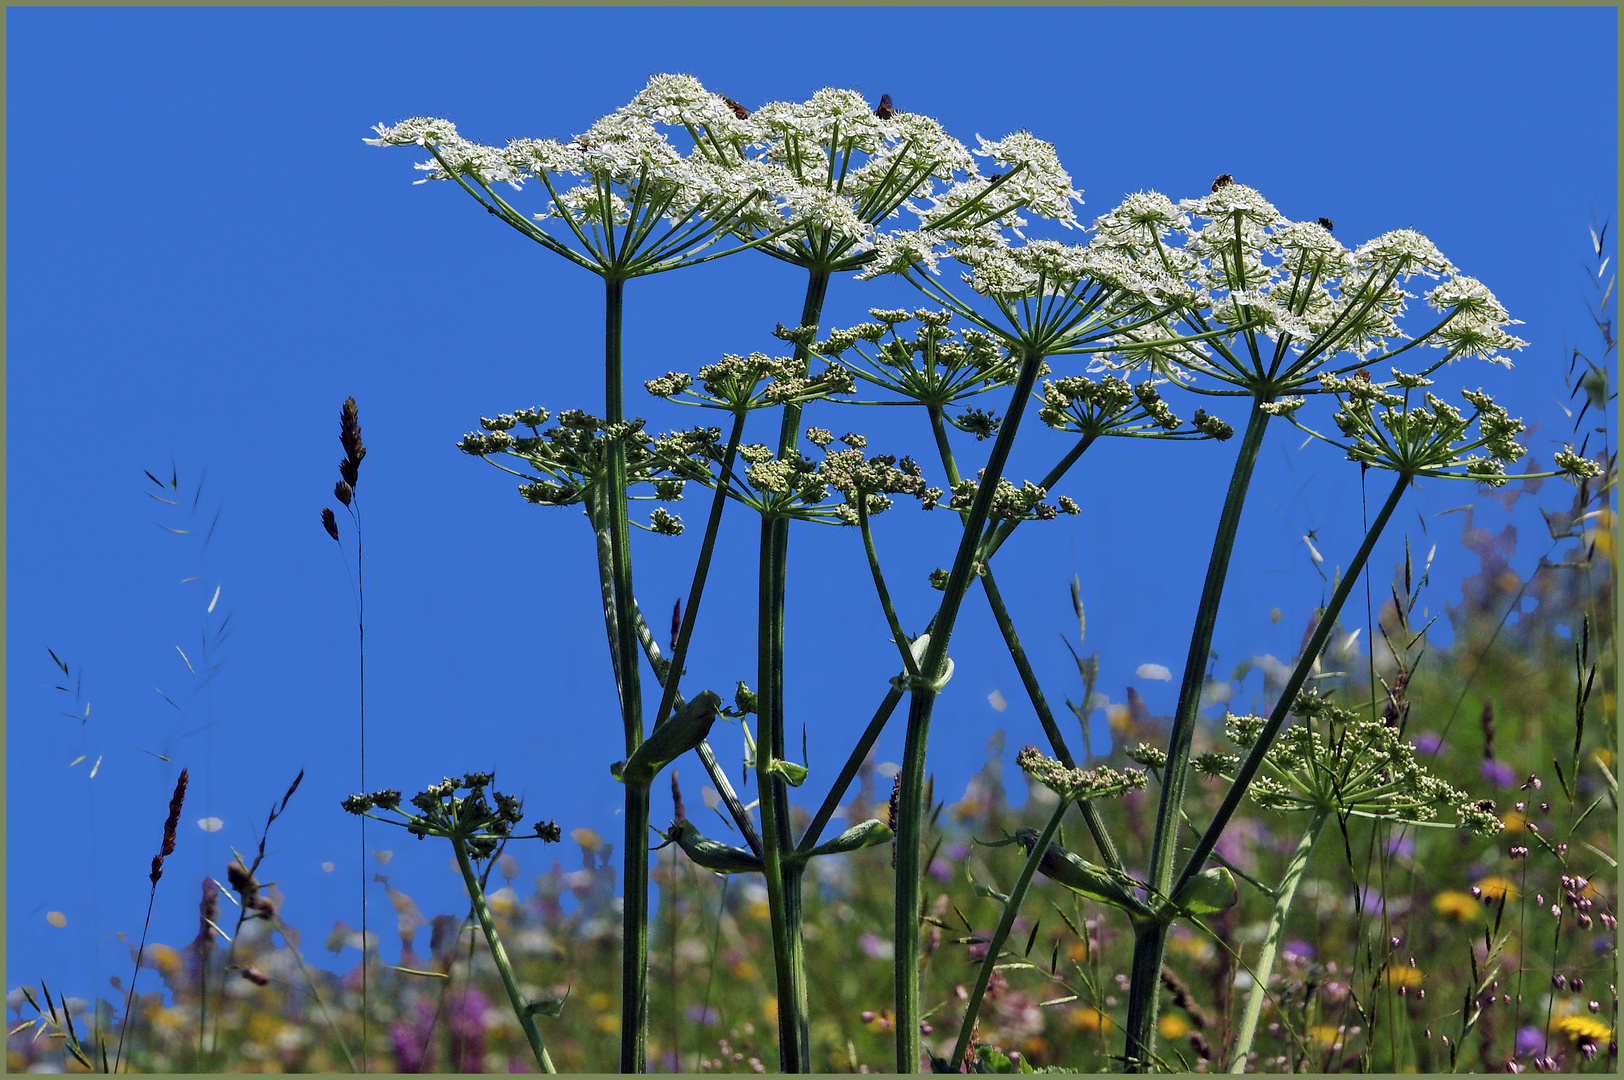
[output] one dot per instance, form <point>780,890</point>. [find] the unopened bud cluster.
<point>469,819</point>
<point>1071,784</point>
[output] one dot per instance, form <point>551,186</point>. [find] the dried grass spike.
<point>170,824</point>
<point>349,433</point>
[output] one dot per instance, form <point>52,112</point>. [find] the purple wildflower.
<point>413,1041</point>
<point>1427,742</point>
<point>874,948</point>
<point>467,1024</point>
<point>1300,949</point>
<point>1498,773</point>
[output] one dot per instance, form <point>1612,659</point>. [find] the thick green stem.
<point>1271,942</point>
<point>788,949</point>
<point>911,797</point>
<point>1029,679</point>
<point>1012,908</point>
<point>783,879</point>
<point>944,449</point>
<point>910,821</point>
<point>623,647</point>
<point>1150,940</point>
<point>504,967</point>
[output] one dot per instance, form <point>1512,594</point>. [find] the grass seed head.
<point>170,825</point>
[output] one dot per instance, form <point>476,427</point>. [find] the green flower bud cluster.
<point>798,486</point>
<point>1431,439</point>
<point>1071,784</point>
<point>664,523</point>
<point>1580,468</point>
<point>1148,756</point>
<point>933,367</point>
<point>471,819</point>
<point>982,423</point>
<point>1024,503</point>
<point>568,460</point>
<point>1113,406</point>
<point>736,382</point>
<point>1334,762</point>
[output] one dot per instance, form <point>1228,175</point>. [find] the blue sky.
<point>204,261</point>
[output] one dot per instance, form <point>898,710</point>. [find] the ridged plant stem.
<point>623,649</point>
<point>1012,908</point>
<point>1150,939</point>
<point>1284,894</point>
<point>504,967</point>
<point>784,877</point>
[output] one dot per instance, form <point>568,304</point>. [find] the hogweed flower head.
<point>933,366</point>
<point>1333,762</point>
<point>481,822</point>
<point>1100,782</point>
<point>1385,426</point>
<point>1009,503</point>
<point>623,200</point>
<point>1284,297</point>
<point>800,487</point>
<point>568,463</point>
<point>739,384</point>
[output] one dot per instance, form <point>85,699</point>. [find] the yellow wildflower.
<point>1513,821</point>
<point>769,1009</point>
<point>1173,1026</point>
<point>1584,1029</point>
<point>1457,905</point>
<point>608,1023</point>
<point>1325,1034</point>
<point>1084,1018</point>
<point>1499,888</point>
<point>1403,975</point>
<point>744,969</point>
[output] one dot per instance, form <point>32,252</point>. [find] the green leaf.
<point>870,833</point>
<point>794,775</point>
<point>1211,891</point>
<point>1081,876</point>
<point>711,854</point>
<point>551,1008</point>
<point>681,732</point>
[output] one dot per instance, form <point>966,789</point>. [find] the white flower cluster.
<point>812,181</point>
<point>1243,267</point>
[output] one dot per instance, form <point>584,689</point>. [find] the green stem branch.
<point>504,967</point>
<point>1271,941</point>
<point>1012,908</point>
